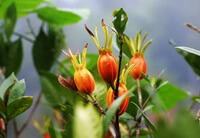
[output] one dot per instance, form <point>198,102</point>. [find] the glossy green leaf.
<point>10,20</point>
<point>17,91</point>
<point>100,91</point>
<point>191,56</point>
<point>23,6</point>
<point>7,84</point>
<point>14,57</point>
<point>57,16</point>
<point>169,95</point>
<point>112,110</point>
<point>18,106</point>
<point>87,122</point>
<point>189,50</point>
<point>120,20</point>
<point>47,48</point>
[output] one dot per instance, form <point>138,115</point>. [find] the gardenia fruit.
<point>107,63</point>
<point>82,77</point>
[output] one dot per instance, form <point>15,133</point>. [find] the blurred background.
<point>163,19</point>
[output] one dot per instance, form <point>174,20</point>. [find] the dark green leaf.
<point>7,84</point>
<point>47,48</point>
<point>14,57</point>
<point>54,132</point>
<point>3,52</point>
<point>87,122</point>
<point>120,20</point>
<point>17,91</point>
<point>57,16</point>
<point>18,106</point>
<point>10,20</point>
<point>2,106</point>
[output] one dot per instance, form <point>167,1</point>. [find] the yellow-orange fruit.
<point>140,66</point>
<point>110,98</point>
<point>84,81</point>
<point>107,67</point>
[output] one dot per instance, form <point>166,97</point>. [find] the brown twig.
<point>30,115</point>
<point>191,26</point>
<point>93,101</point>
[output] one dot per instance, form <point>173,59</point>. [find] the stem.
<point>30,115</point>
<point>24,37</point>
<point>116,124</point>
<point>30,27</point>
<point>139,120</point>
<point>15,127</point>
<point>191,26</point>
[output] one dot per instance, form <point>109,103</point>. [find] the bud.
<point>82,77</point>
<point>84,81</point>
<point>139,68</point>
<point>110,98</point>
<point>46,135</point>
<point>2,125</point>
<point>107,67</point>
<point>107,63</point>
<point>137,49</point>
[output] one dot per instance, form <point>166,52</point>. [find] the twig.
<point>93,101</point>
<point>116,94</point>
<point>30,115</point>
<point>191,26</point>
<point>24,37</point>
<point>139,120</point>
<point>30,27</point>
<point>15,127</point>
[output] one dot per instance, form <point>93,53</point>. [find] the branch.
<point>116,94</point>
<point>30,27</point>
<point>30,115</point>
<point>191,26</point>
<point>24,37</point>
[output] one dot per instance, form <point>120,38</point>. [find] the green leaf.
<point>146,118</point>
<point>189,50</point>
<point>191,56</point>
<point>17,91</point>
<point>7,84</point>
<point>53,91</point>
<point>2,107</point>
<point>57,16</point>
<point>47,48</point>
<point>54,132</point>
<point>10,20</point>
<point>23,6</point>
<point>87,122</point>
<point>113,109</point>
<point>18,106</point>
<point>169,95</point>
<point>14,57</point>
<point>3,52</point>
<point>100,91</point>
<point>120,20</point>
